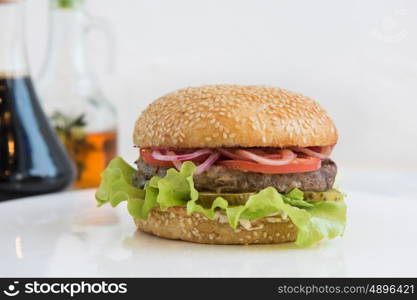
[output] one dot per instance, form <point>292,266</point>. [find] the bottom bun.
<point>175,223</point>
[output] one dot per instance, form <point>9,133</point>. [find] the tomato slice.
<point>298,165</point>
<point>146,155</point>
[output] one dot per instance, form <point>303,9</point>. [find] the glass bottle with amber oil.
<point>83,118</point>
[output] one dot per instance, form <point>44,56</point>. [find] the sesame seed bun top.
<point>234,116</point>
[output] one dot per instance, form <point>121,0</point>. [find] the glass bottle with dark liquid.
<point>78,111</point>
<point>32,160</point>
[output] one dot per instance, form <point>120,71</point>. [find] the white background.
<point>357,58</point>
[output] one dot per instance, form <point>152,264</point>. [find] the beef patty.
<point>220,179</point>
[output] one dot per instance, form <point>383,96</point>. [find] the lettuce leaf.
<point>314,221</point>
<point>296,198</point>
<point>116,186</point>
<point>174,188</point>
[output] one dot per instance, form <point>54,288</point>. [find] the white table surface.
<point>66,235</point>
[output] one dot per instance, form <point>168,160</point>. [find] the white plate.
<point>66,235</point>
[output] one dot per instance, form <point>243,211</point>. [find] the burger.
<point>230,164</point>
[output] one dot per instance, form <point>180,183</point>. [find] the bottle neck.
<point>13,60</point>
<point>66,54</point>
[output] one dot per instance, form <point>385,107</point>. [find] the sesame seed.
<point>279,117</point>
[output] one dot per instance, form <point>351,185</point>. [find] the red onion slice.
<point>156,154</point>
<point>323,154</point>
<point>207,163</point>
<point>287,156</point>
<point>231,155</point>
<point>177,164</point>
<point>326,150</point>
